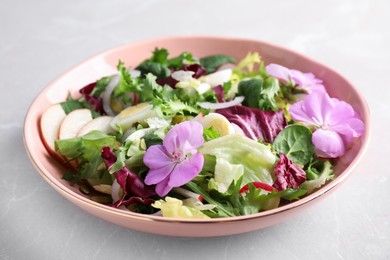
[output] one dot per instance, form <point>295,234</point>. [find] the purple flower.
<point>306,81</point>
<point>336,120</point>
<point>176,161</point>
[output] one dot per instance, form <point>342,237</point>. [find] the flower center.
<point>322,125</point>
<point>178,156</point>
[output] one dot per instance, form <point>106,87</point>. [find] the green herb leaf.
<point>181,60</point>
<point>292,194</point>
<point>213,62</point>
<point>318,173</point>
<point>100,86</point>
<point>167,109</point>
<point>295,142</point>
<point>159,55</point>
<point>250,66</point>
<point>260,93</point>
<point>152,139</point>
<point>71,104</point>
<point>251,90</point>
<point>149,87</point>
<point>253,201</point>
<point>224,209</point>
<point>127,84</point>
<point>157,69</point>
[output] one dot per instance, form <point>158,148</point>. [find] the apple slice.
<point>50,123</point>
<point>73,122</point>
<point>101,123</point>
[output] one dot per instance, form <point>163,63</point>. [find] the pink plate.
<point>105,63</point>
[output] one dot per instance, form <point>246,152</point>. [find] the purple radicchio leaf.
<point>134,188</point>
<point>95,101</point>
<point>167,81</point>
<point>288,174</point>
<point>218,90</point>
<point>256,123</point>
<point>170,81</point>
<point>196,68</point>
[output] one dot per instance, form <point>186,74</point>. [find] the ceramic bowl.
<point>104,64</point>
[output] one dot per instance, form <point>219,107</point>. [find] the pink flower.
<point>306,81</point>
<point>336,120</point>
<point>177,161</point>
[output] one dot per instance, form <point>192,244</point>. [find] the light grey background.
<point>41,39</point>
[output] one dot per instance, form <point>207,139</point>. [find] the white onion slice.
<point>208,105</point>
<point>230,66</point>
<point>115,188</point>
<point>107,95</point>
<point>181,75</point>
<point>217,78</point>
<point>135,73</point>
<point>186,193</point>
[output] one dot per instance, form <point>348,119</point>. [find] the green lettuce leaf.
<point>257,159</point>
<point>210,134</point>
<point>86,150</point>
<point>226,173</point>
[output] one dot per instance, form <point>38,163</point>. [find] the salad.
<point>205,137</point>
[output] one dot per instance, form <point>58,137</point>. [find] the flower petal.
<point>315,89</point>
<point>314,109</point>
<point>352,128</point>
<point>155,176</point>
<point>328,143</point>
<point>307,81</point>
<point>186,170</point>
<point>157,157</point>
<point>298,113</point>
<point>163,188</point>
<point>341,113</point>
<point>279,72</point>
<point>184,138</point>
<point>345,121</point>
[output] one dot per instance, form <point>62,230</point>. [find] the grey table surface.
<point>41,39</point>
